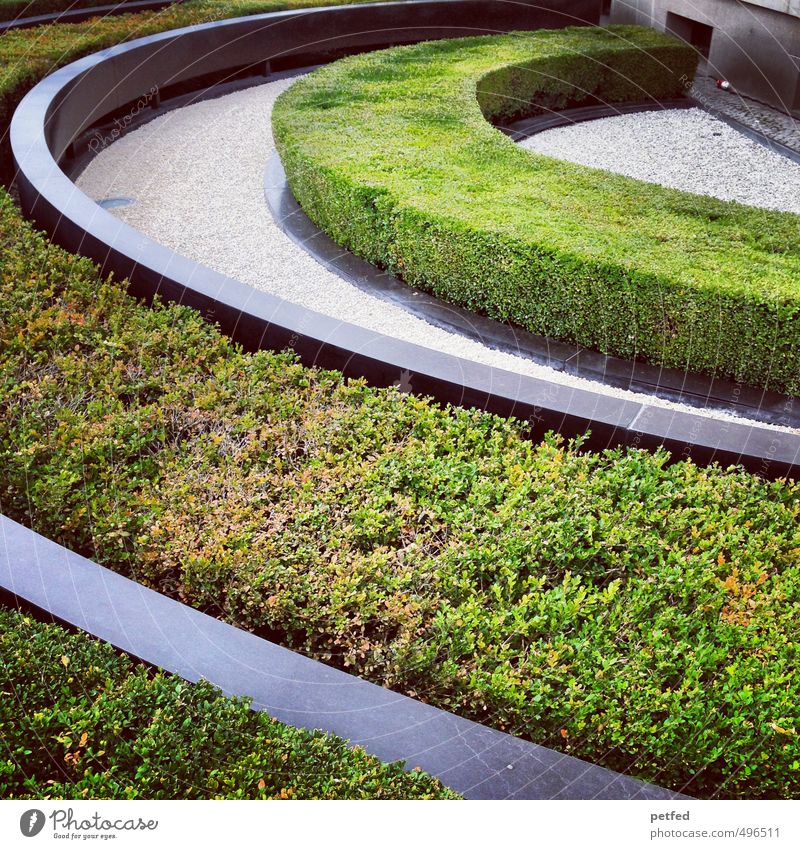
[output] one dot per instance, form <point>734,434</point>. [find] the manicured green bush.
<point>80,720</point>
<point>640,614</point>
<point>391,153</point>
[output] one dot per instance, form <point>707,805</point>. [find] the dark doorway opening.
<point>699,35</point>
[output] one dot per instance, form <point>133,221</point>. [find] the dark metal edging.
<point>691,388</point>
<point>476,761</point>
<point>43,128</point>
<point>76,16</point>
<point>527,127</point>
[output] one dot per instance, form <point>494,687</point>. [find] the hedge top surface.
<point>392,155</point>
<point>436,152</point>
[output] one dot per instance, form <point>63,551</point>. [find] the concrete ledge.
<point>75,98</point>
<point>474,760</point>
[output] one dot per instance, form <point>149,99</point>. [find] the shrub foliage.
<point>392,155</point>
<point>636,613</point>
<point>11,9</point>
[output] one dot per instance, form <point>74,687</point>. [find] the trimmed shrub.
<point>392,155</point>
<point>639,614</point>
<point>80,720</point>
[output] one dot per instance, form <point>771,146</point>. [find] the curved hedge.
<point>391,154</point>
<point>638,614</point>
<point>79,720</point>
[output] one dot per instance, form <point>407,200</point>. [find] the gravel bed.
<point>773,123</point>
<point>681,148</point>
<point>196,177</point>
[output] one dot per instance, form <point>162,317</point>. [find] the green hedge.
<point>635,613</point>
<point>80,720</point>
<point>639,614</point>
<point>392,155</point>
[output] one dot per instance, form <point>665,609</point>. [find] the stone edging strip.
<point>476,761</point>
<point>67,103</point>
<point>76,16</point>
<point>685,387</point>
<point>528,127</point>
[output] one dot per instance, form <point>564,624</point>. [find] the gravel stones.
<point>196,175</point>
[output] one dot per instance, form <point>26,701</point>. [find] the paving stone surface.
<point>774,124</point>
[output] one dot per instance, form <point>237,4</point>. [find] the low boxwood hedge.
<point>391,153</point>
<point>80,720</point>
<point>26,56</point>
<point>636,613</point>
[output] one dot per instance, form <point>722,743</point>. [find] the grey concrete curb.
<point>73,99</point>
<point>474,760</point>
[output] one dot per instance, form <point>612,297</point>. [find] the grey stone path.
<point>778,126</point>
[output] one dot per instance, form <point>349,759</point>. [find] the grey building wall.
<point>755,45</point>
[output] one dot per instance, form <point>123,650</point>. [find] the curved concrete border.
<point>76,97</point>
<point>76,16</point>
<point>527,127</point>
<point>472,759</point>
<point>688,388</point>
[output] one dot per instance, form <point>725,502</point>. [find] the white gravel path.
<point>681,148</point>
<point>196,175</point>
